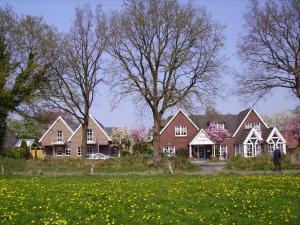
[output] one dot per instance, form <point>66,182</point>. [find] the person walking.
<point>277,160</point>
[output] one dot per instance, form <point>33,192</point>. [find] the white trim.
<point>180,110</point>
<point>252,131</point>
<point>278,133</point>
<point>250,110</point>
<point>59,118</point>
<point>195,138</point>
<point>96,124</point>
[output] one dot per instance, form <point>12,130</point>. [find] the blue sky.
<point>229,12</point>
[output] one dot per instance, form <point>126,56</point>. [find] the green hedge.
<point>261,162</point>
<point>15,153</point>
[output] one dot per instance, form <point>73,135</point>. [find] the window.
<point>248,125</point>
<point>280,146</point>
<point>89,135</point>
<point>249,148</point>
<point>59,151</point>
<point>79,151</point>
<point>271,147</point>
<point>59,135</point>
<point>90,150</point>
<point>220,125</point>
<point>68,151</point>
<point>223,151</point>
<point>256,126</point>
<point>169,150</point>
<point>180,130</point>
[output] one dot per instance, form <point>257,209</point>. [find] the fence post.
<point>2,170</point>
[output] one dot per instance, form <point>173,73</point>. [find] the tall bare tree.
<point>165,54</point>
<point>271,48</point>
<point>24,61</point>
<point>77,67</point>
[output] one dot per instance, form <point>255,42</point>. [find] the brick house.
<point>63,138</point>
<point>249,135</point>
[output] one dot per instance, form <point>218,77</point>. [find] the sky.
<point>60,13</point>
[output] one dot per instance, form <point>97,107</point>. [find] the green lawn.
<point>150,200</point>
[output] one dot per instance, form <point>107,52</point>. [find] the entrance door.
<point>199,152</point>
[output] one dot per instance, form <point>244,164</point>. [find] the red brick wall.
<point>101,138</point>
<point>59,125</point>
<point>168,135</point>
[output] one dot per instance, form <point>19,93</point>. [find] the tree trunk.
<point>298,85</point>
<point>85,125</point>
<point>3,128</point>
<point>156,140</point>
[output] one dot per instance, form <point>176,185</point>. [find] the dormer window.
<point>59,136</point>
<point>180,130</point>
<point>220,125</point>
<point>256,126</point>
<point>248,125</point>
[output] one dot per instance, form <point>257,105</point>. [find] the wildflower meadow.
<point>150,200</point>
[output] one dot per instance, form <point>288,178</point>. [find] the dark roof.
<point>202,121</point>
<point>71,123</point>
<point>242,136</point>
<point>265,133</point>
<point>108,130</point>
<point>232,122</point>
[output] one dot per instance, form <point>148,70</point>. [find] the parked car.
<point>98,156</point>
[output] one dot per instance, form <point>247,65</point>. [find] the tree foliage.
<point>280,119</point>
<point>24,61</point>
<point>139,135</point>
<point>26,128</point>
<point>216,133</point>
<point>165,54</point>
<point>121,137</point>
<point>293,128</point>
<point>271,48</point>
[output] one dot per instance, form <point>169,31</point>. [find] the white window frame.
<point>256,126</point>
<point>88,149</point>
<point>68,151</point>
<point>180,131</point>
<point>79,153</point>
<point>248,125</point>
<point>249,151</point>
<point>60,152</point>
<point>59,136</point>
<point>220,125</point>
<point>223,148</point>
<point>169,150</point>
<point>89,135</point>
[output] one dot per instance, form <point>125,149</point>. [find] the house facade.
<point>248,135</point>
<point>63,139</point>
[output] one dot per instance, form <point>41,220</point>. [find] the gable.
<point>180,118</point>
<point>100,134</point>
<point>201,138</point>
<point>275,133</point>
<point>58,124</point>
<point>251,117</point>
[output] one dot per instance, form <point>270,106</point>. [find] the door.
<point>201,150</point>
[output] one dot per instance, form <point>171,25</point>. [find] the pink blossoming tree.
<point>216,133</point>
<point>293,128</point>
<point>139,134</point>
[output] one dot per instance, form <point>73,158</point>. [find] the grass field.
<point>150,200</point>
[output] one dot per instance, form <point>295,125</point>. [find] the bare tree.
<point>77,68</point>
<point>271,48</point>
<point>165,54</point>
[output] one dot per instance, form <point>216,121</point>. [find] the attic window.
<point>220,125</point>
<point>180,130</point>
<point>256,126</point>
<point>248,125</point>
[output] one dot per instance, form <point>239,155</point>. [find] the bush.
<point>182,152</point>
<point>145,149</point>
<point>15,153</point>
<point>260,162</point>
